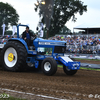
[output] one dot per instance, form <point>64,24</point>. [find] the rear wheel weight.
<point>49,66</point>
<point>69,72</point>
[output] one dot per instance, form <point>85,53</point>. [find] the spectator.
<point>80,44</point>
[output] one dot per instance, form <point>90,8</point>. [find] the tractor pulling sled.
<point>45,55</point>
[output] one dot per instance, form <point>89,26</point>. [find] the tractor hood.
<point>41,42</point>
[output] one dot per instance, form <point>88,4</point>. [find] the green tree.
<point>64,10</point>
<point>8,16</point>
<point>64,31</point>
<point>32,31</point>
<point>9,32</point>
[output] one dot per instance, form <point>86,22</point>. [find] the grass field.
<point>87,59</point>
<point>5,96</point>
<point>83,68</point>
<point>11,98</point>
<point>89,69</point>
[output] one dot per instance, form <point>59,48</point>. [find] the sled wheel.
<point>69,72</point>
<point>49,66</point>
<point>14,56</point>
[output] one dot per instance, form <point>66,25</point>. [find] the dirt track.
<point>79,86</point>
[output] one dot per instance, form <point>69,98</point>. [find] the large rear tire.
<point>69,72</point>
<point>49,66</point>
<point>0,57</point>
<point>14,56</point>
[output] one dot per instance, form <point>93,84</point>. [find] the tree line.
<point>63,11</point>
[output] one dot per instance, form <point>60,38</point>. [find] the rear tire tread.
<point>21,53</point>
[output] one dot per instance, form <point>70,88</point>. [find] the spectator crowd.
<point>75,44</point>
<point>4,39</point>
<point>80,44</point>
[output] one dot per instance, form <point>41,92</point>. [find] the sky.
<point>25,9</point>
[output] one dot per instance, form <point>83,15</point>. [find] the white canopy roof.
<point>87,26</point>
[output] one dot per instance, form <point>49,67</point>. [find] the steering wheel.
<point>33,38</point>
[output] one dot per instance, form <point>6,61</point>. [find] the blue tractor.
<point>47,54</point>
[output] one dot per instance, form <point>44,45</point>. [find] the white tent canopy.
<point>89,28</point>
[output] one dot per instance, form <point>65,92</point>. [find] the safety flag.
<point>4,29</point>
<point>14,30</point>
<point>41,32</point>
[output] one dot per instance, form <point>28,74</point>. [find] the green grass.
<point>87,59</point>
<point>89,69</point>
<point>11,98</point>
<point>60,66</point>
<point>5,96</point>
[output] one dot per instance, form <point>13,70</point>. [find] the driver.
<point>26,35</point>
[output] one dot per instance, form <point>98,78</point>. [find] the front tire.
<point>49,66</point>
<point>69,72</point>
<point>14,56</point>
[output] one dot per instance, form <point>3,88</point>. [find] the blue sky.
<point>25,9</point>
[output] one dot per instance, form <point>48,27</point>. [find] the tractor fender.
<point>21,41</point>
